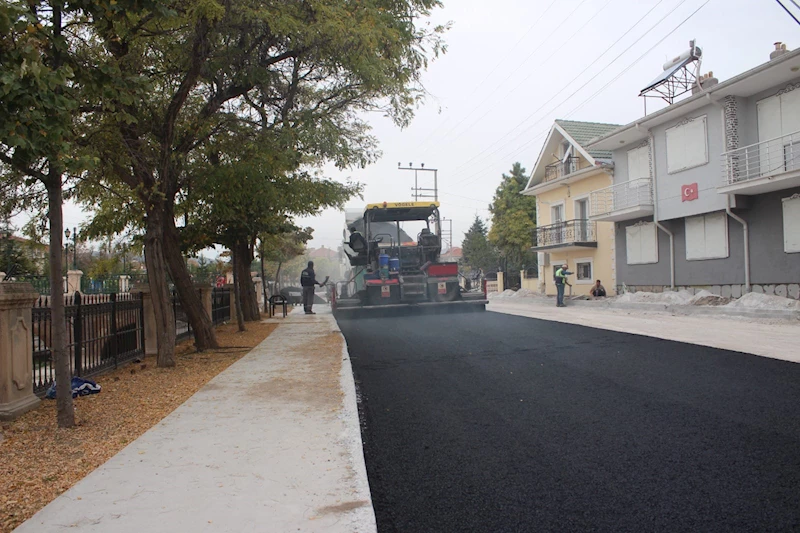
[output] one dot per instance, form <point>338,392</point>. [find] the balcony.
<point>565,235</point>
<point>763,167</point>
<point>623,201</point>
<point>560,169</point>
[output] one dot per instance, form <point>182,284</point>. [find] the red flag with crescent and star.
<point>689,192</point>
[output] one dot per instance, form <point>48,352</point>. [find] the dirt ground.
<point>38,461</point>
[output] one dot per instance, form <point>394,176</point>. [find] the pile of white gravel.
<point>508,293</point>
<point>667,298</point>
<point>754,300</point>
<point>705,297</point>
<point>527,293</point>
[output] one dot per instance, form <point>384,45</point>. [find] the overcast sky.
<point>514,66</point>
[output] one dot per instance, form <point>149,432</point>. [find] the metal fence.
<point>220,305</point>
<point>100,285</point>
<point>183,328</point>
<point>102,332</point>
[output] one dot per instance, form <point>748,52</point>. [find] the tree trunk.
<point>237,292</point>
<point>243,258</point>
<point>278,277</point>
<point>264,278</point>
<point>58,337</point>
<point>159,287</point>
<point>205,337</point>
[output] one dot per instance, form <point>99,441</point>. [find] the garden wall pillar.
<point>73,281</point>
<point>205,297</point>
<point>150,337</point>
<point>16,350</point>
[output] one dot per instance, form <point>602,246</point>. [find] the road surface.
<point>490,422</point>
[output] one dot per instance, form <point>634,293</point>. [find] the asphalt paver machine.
<point>399,265</point>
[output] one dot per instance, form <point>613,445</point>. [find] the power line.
<point>787,9</point>
<point>520,148</point>
<point>486,77</point>
<point>579,75</point>
<point>533,72</point>
<point>513,71</point>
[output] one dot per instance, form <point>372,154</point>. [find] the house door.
<point>557,219</point>
<point>778,119</point>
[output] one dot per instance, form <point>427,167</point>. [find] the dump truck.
<point>398,263</point>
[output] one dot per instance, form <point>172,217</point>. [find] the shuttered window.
<point>707,237</point>
<point>639,163</point>
<point>791,225</point>
<point>641,244</point>
<point>687,145</point>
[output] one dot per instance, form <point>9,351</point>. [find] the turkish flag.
<point>689,192</point>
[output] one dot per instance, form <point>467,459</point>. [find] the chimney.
<point>780,49</point>
<point>706,81</point>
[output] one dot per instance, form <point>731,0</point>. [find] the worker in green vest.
<point>561,281</point>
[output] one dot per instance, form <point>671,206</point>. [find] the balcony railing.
<point>622,196</point>
<point>567,233</point>
<point>764,159</point>
<point>558,170</point>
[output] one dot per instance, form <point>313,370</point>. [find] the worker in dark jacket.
<point>307,280</point>
<point>357,241</point>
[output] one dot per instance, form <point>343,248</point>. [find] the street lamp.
<point>74,248</point>
<point>66,250</point>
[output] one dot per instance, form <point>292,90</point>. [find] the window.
<point>641,244</point>
<point>639,163</point>
<point>687,145</point>
<point>791,224</point>
<point>707,237</point>
<point>583,271</point>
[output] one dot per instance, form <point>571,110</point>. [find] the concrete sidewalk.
<point>271,444</point>
<point>772,338</point>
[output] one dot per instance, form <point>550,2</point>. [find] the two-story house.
<point>562,180</point>
<point>706,192</point>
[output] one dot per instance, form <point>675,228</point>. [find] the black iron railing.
<point>183,328</point>
<point>220,305</point>
<point>103,330</point>
<point>562,168</point>
<point>567,232</point>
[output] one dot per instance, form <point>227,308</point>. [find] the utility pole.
<point>420,192</point>
<point>447,234</point>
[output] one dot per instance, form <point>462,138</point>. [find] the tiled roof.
<point>583,132</point>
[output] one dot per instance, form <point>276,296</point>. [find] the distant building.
<point>453,254</point>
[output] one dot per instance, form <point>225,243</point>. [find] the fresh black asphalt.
<point>493,423</point>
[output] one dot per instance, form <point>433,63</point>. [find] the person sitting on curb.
<point>598,291</point>
<point>307,280</point>
<point>561,280</point>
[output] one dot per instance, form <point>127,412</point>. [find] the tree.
<point>476,249</point>
<point>36,137</point>
<point>513,220</point>
<point>200,69</point>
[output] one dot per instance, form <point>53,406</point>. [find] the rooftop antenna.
<point>678,77</point>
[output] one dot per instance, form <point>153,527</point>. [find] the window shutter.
<point>675,152</point>
<point>633,244</point>
<point>791,224</point>
<point>716,235</point>
<point>695,142</point>
<point>790,112</point>
<point>695,237</point>
<point>649,239</point>
<point>687,145</point>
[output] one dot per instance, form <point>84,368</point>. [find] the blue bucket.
<point>394,264</point>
